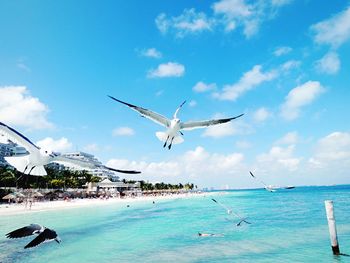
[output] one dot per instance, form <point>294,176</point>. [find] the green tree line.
<point>55,179</point>
<point>58,179</point>
<point>162,186</point>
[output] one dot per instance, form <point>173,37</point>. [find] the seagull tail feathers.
<point>178,139</point>
<point>38,171</point>
<point>162,136</point>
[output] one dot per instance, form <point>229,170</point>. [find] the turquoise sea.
<point>287,226</point>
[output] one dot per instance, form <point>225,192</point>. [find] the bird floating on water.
<point>33,162</point>
<point>44,234</point>
<point>174,126</point>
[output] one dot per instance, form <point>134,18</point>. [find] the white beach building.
<point>100,172</point>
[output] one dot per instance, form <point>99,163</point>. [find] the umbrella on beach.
<point>37,194</point>
<point>9,196</point>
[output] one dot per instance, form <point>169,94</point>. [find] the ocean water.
<point>287,226</point>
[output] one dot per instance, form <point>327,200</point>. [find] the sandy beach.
<point>13,209</point>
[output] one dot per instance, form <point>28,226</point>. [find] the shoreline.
<point>43,206</point>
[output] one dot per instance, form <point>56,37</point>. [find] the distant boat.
<point>289,187</point>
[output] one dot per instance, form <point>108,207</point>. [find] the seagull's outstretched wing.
<point>228,210</point>
<point>258,180</point>
<point>190,125</point>
<point>46,235</point>
<point>122,171</point>
<point>80,164</point>
<point>25,231</point>
<point>16,137</point>
<point>156,117</point>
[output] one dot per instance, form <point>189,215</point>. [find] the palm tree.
<point>8,178</point>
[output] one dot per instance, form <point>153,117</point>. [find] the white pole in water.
<point>332,226</point>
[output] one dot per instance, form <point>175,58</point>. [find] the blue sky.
<point>283,63</point>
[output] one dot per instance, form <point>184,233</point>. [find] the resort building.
<point>107,186</point>
<point>100,172</point>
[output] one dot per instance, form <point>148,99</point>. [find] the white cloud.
<point>188,22</point>
<point>60,145</point>
<point>279,157</point>
<point>226,129</point>
<point>152,53</point>
<point>170,69</point>
<point>329,64</point>
<point>261,115</point>
<point>18,107</point>
<point>192,103</point>
<point>221,130</point>
<point>203,87</point>
<point>290,64</point>
<point>235,13</point>
<point>243,144</point>
<point>280,3</point>
<point>289,138</point>
<point>248,81</point>
<point>232,8</point>
<point>282,51</point>
<point>23,66</point>
<point>299,97</point>
<point>334,31</point>
<point>159,93</point>
<point>123,131</point>
<point>93,147</point>
<point>335,146</point>
<point>196,165</point>
<point>229,14</point>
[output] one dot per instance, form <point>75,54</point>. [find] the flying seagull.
<point>173,126</point>
<point>230,211</point>
<point>33,163</point>
<point>44,234</point>
<point>271,188</point>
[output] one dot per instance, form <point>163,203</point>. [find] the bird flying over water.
<point>271,188</point>
<point>174,126</point>
<point>230,211</point>
<point>44,234</point>
<point>33,163</point>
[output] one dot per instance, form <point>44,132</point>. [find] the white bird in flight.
<point>269,188</point>
<point>174,126</point>
<point>33,163</point>
<point>230,211</point>
<point>272,188</point>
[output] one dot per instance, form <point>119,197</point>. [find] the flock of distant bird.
<point>33,163</point>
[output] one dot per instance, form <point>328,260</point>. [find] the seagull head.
<point>47,153</point>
